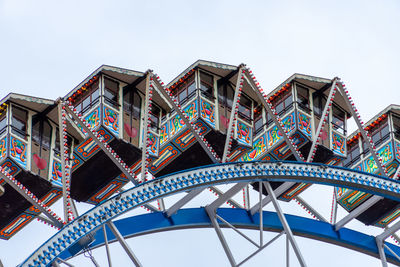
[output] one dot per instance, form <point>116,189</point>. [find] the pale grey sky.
<point>48,47</point>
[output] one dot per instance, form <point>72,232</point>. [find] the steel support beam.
<point>228,252</point>
<point>103,147</point>
<point>229,201</point>
<point>30,199</point>
<point>107,246</point>
<point>363,131</point>
<point>381,250</point>
<point>147,106</point>
<point>278,191</point>
<point>123,243</point>
<point>185,119</point>
<point>180,203</point>
<point>322,122</point>
<point>388,231</point>
<point>285,224</point>
<point>310,208</point>
<point>236,98</point>
<point>261,248</point>
<point>357,211</point>
<point>226,196</point>
<point>237,231</point>
<point>62,155</point>
<point>334,207</point>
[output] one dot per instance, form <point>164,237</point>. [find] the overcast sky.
<point>48,47</point>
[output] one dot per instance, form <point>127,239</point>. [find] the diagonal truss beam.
<point>30,197</point>
<point>365,135</point>
<point>124,244</point>
<point>180,203</point>
<point>226,196</point>
<point>285,224</point>
<point>357,211</point>
<point>324,118</point>
<point>231,201</point>
<point>103,145</point>
<point>310,209</point>
<point>233,116</point>
<point>278,191</point>
<point>274,115</point>
<point>389,231</point>
<point>193,129</point>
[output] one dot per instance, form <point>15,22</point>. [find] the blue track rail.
<point>203,177</point>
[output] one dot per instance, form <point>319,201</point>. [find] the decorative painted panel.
<point>289,123</point>
<point>294,191</point>
<point>106,191</point>
<point>11,167</point>
<point>266,158</point>
<point>370,165</point>
<point>386,153</point>
<point>338,144</point>
<point>111,120</point>
<point>304,124</point>
<point>237,153</point>
<point>3,148</point>
<point>333,161</point>
<point>259,147</point>
<point>176,124</point>
<point>48,199</point>
<point>88,148</point>
<point>93,118</point>
<point>76,162</point>
<point>283,151</point>
<point>18,151</point>
<point>207,112</point>
<point>273,136</point>
<point>191,111</point>
<point>187,139</point>
<point>164,134</point>
<point>56,173</point>
<point>166,155</point>
<point>244,133</point>
<point>353,199</point>
<point>153,144</point>
<point>397,144</point>
<point>392,167</point>
<point>16,225</point>
<point>388,219</point>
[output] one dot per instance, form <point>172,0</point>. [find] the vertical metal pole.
<point>107,247</point>
<point>285,225</point>
<point>246,196</point>
<point>334,208</point>
<point>145,126</point>
<point>260,213</point>
<point>381,251</point>
<point>123,243</point>
<point>62,151</point>
<point>211,215</point>
<point>287,252</point>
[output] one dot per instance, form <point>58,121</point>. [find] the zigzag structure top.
<point>120,126</point>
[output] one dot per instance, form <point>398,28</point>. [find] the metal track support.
<point>123,243</point>
<point>107,246</point>
<point>285,225</point>
<point>357,211</point>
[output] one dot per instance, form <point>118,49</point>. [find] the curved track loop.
<point>203,177</point>
<point>240,218</point>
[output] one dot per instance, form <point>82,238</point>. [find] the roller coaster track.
<point>239,174</point>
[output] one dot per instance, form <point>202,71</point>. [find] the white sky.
<point>48,47</point>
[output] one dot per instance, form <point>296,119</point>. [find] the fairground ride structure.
<point>122,140</point>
